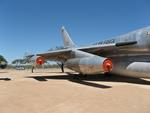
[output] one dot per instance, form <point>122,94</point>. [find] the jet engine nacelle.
<point>135,69</point>
<point>142,67</point>
<point>90,65</point>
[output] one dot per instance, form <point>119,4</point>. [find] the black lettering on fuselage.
<point>111,41</point>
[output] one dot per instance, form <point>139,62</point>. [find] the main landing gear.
<point>61,65</point>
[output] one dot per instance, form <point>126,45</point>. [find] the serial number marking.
<point>111,41</point>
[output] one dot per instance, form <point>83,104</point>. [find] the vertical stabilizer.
<point>66,38</point>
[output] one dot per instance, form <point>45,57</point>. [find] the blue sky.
<point>34,25</point>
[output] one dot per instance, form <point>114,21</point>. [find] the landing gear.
<point>61,65</point>
<point>62,68</point>
<point>32,70</point>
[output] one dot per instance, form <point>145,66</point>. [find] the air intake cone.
<point>40,60</point>
<point>107,65</point>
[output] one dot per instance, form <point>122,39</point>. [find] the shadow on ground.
<point>3,72</point>
<point>5,79</point>
<point>87,80</point>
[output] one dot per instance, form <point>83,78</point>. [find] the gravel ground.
<point>50,91</point>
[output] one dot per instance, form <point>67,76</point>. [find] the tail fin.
<point>66,38</point>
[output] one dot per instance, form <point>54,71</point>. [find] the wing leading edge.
<point>56,55</point>
<point>64,54</point>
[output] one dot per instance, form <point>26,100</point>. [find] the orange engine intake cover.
<point>40,60</point>
<point>107,65</point>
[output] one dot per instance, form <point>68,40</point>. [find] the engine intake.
<point>107,65</point>
<point>39,60</point>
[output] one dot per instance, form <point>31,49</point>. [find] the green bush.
<point>2,59</point>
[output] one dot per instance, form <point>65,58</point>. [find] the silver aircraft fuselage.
<point>132,60</point>
<point>127,55</point>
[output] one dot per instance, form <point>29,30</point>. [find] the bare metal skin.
<point>127,55</point>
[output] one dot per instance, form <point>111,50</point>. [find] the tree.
<point>2,59</point>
